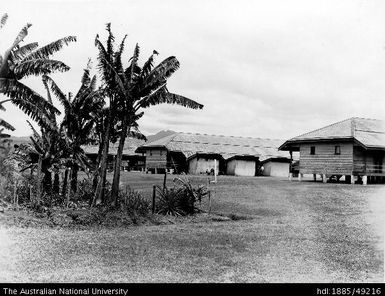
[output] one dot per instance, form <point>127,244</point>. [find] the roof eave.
<point>293,143</point>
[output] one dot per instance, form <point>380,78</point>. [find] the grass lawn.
<point>299,232</point>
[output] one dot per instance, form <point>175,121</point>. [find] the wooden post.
<point>299,177</point>
<point>315,177</point>
<point>164,179</point>
<point>69,186</point>
<point>215,171</point>
<point>324,179</point>
<point>351,179</point>
<point>364,180</point>
<point>15,199</point>
<point>208,188</point>
<point>153,198</point>
<point>290,176</point>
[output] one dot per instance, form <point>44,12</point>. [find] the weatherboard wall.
<point>324,160</point>
<point>156,158</point>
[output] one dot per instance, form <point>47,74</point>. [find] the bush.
<point>169,201</point>
<point>85,191</point>
<point>181,199</point>
<point>134,204</point>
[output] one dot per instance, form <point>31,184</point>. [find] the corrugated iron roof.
<point>228,146</point>
<point>370,133</point>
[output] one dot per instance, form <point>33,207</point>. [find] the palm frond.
<point>3,136</point>
<point>162,96</point>
<point>147,67</point>
<point>137,135</point>
<point>39,67</point>
<point>35,134</point>
<point>159,75</point>
<point>28,101</point>
<point>44,79</point>
<point>3,20</point>
<point>23,51</point>
<point>49,49</point>
<point>85,81</point>
<point>110,40</point>
<point>93,83</point>
<point>58,93</point>
<point>6,125</point>
<point>118,56</point>
<point>22,34</point>
<point>104,62</point>
<point>134,62</point>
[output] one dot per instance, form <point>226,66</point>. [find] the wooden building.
<point>131,161</point>
<point>195,153</point>
<point>353,149</point>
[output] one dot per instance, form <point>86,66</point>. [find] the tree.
<point>80,117</point>
<point>19,62</point>
<point>131,90</point>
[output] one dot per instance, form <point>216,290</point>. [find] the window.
<point>161,152</point>
<point>312,150</point>
<point>337,150</point>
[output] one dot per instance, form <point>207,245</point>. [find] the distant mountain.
<point>159,135</point>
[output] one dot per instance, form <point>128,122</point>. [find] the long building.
<point>199,153</point>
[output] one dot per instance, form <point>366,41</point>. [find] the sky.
<point>270,69</point>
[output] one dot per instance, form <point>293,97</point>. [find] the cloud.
<point>261,68</point>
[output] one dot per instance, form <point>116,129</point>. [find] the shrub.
<point>181,199</point>
<point>85,191</point>
<point>134,204</point>
<point>169,201</point>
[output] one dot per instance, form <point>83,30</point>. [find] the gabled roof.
<point>227,146</point>
<point>130,145</point>
<point>369,133</point>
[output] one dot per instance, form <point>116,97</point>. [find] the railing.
<point>369,169</point>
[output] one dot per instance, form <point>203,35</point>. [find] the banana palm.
<point>19,62</point>
<point>131,90</point>
<point>80,117</point>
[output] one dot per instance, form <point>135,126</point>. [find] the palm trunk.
<point>64,186</point>
<point>118,162</point>
<point>98,161</point>
<point>56,184</point>
<point>99,192</point>
<point>74,179</point>
<point>47,182</point>
<point>39,180</point>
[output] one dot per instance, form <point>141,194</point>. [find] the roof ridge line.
<point>318,129</point>
<point>186,133</point>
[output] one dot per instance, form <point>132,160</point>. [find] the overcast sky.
<point>271,69</point>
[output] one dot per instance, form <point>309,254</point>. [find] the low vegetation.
<point>299,232</point>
